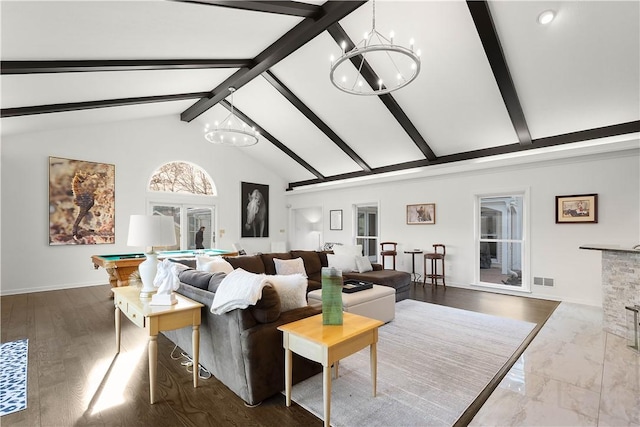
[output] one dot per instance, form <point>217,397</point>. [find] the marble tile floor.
<point>572,374</point>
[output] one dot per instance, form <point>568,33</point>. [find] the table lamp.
<point>150,231</point>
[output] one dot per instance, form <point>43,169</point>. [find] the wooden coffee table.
<point>155,319</point>
<point>327,344</point>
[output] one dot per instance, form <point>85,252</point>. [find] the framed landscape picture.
<point>81,202</point>
<point>255,210</point>
<point>424,213</point>
<point>577,209</point>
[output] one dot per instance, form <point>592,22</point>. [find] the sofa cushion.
<point>364,264</point>
<point>267,309</point>
<point>189,262</point>
<point>323,258</point>
<point>250,263</point>
<point>355,250</point>
<point>311,259</point>
<point>215,280</point>
<point>346,263</point>
<point>292,290</point>
<point>213,264</point>
<point>290,266</point>
<point>267,260</point>
<point>199,279</point>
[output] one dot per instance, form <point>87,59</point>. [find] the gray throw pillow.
<point>215,280</point>
<point>198,279</point>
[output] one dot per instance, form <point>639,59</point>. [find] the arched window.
<point>182,177</point>
<point>186,192</point>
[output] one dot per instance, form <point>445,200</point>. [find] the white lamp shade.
<point>151,230</point>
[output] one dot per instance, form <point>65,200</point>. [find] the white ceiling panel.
<point>20,90</point>
<point>581,71</point>
<point>264,104</point>
<point>82,118</point>
<point>135,30</point>
<point>364,123</point>
<point>454,102</point>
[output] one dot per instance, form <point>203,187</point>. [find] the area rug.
<point>13,380</point>
<point>433,361</point>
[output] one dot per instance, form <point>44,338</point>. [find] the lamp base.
<point>148,270</point>
<point>163,299</point>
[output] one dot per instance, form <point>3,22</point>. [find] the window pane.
<point>174,212</point>
<point>197,218</point>
<point>501,217</point>
<point>502,267</point>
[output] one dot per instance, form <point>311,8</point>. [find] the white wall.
<point>554,247</point>
<point>136,148</point>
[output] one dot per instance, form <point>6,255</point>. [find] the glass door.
<point>501,241</point>
<point>189,220</point>
<point>367,230</point>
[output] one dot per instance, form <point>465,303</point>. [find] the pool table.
<point>121,266</point>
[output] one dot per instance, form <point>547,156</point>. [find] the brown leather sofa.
<point>313,263</point>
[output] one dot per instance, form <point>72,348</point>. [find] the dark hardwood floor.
<point>75,378</point>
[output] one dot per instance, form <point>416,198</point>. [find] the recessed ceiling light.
<point>545,17</point>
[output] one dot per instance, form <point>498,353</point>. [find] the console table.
<point>620,285</point>
<point>155,319</point>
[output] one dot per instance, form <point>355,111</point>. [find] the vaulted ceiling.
<point>493,80</point>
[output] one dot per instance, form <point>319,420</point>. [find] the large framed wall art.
<point>81,202</point>
<point>255,210</point>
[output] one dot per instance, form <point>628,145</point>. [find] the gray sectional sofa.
<point>243,348</point>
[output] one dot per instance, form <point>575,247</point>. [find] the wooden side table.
<point>155,319</point>
<point>327,344</point>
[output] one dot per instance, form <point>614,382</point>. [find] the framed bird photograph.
<point>81,202</point>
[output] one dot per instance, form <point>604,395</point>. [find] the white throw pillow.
<point>290,266</point>
<point>355,250</point>
<point>363,264</point>
<point>213,264</point>
<point>292,290</point>
<point>346,263</point>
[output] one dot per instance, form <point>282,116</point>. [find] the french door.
<point>188,219</point>
<point>367,229</point>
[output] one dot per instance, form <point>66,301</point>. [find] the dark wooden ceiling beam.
<point>567,138</point>
<point>340,35</point>
<point>330,13</point>
<point>291,8</point>
<point>493,49</point>
<point>313,118</point>
<point>272,139</point>
<point>88,105</point>
<point>72,66</point>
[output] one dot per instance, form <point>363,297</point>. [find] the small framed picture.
<point>424,213</point>
<point>335,220</point>
<point>577,209</point>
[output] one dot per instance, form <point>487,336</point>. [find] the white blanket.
<point>239,289</point>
